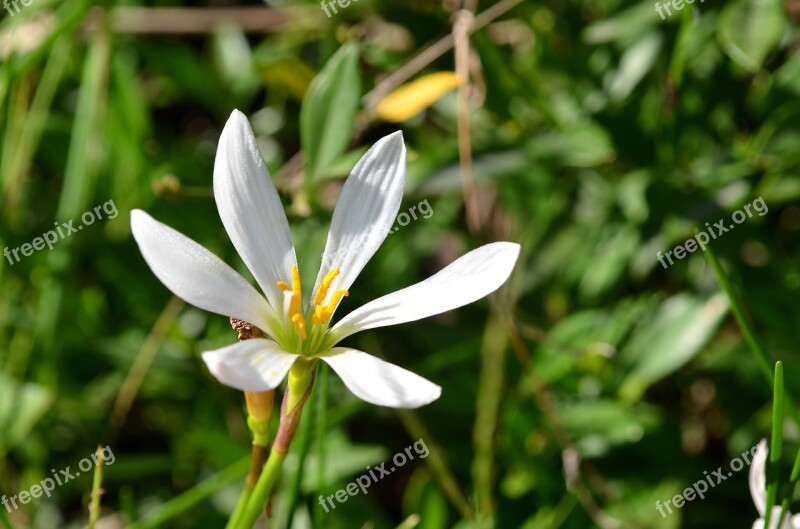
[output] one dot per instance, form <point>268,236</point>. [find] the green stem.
<point>4,519</point>
<point>244,498</point>
<point>322,432</point>
<point>748,332</point>
<point>790,488</point>
<point>738,313</point>
<point>776,449</point>
<point>94,506</point>
<point>304,443</point>
<point>260,495</point>
<point>182,503</point>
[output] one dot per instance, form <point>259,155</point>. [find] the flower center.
<point>306,340</point>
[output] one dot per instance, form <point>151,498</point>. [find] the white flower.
<point>758,489</point>
<point>253,216</point>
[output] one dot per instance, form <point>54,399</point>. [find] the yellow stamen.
<point>294,306</point>
<point>283,286</point>
<point>326,284</point>
<point>319,315</point>
<point>337,297</point>
<point>323,314</point>
<point>300,325</point>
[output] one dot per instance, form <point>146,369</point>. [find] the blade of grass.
<point>322,428</point>
<point>85,149</point>
<point>487,408</point>
<point>182,503</point>
<point>83,161</point>
<point>97,491</point>
<point>141,365</point>
<point>437,463</point>
<point>739,314</point>
<point>67,17</point>
<point>17,116</point>
<point>746,327</point>
<point>678,60</point>
<point>25,142</point>
<point>790,488</point>
<point>776,448</point>
<point>4,520</point>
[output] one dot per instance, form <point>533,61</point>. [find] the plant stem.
<point>298,389</point>
<point>790,488</point>
<point>244,499</point>
<point>777,442</point>
<point>748,331</point>
<point>262,491</point>
<point>258,457</point>
<point>4,520</point>
<point>322,432</point>
<point>182,503</point>
<point>304,443</point>
<point>97,491</point>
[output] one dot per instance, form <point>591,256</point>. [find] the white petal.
<point>789,521</point>
<point>758,478</point>
<point>196,275</point>
<point>250,365</point>
<point>365,211</point>
<point>378,382</point>
<point>250,208</point>
<point>471,277</point>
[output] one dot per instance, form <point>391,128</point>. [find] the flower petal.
<point>789,521</point>
<point>196,275</point>
<point>251,209</point>
<point>758,478</point>
<point>469,278</point>
<point>378,382</point>
<point>250,365</point>
<point>365,211</point>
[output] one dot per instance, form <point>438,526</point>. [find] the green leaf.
<point>776,448</point>
<point>234,60</point>
<point>584,145</point>
<point>637,61</point>
<point>749,29</point>
<point>327,118</point>
<point>350,460</point>
<point>674,336</point>
<point>21,407</point>
<point>599,425</point>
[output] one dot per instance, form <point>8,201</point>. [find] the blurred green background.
<point>595,383</point>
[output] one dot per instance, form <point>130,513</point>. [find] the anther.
<point>325,285</point>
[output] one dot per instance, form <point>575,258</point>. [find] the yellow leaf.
<point>288,73</point>
<point>414,97</point>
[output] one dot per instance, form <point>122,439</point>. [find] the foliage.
<point>596,383</point>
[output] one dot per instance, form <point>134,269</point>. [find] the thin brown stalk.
<point>431,53</point>
<point>141,365</point>
<point>437,463</point>
<point>576,470</point>
<point>462,28</point>
<point>191,20</point>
